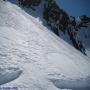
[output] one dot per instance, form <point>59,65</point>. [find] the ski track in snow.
<point>46,61</point>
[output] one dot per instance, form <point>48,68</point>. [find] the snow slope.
<point>44,61</point>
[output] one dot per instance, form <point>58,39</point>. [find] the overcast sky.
<point>76,7</point>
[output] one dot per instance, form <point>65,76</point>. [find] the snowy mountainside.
<point>38,13</point>
<point>33,58</point>
<point>83,34</point>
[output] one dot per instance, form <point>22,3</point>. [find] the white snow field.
<point>33,58</point>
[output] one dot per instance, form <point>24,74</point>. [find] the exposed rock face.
<point>29,2</point>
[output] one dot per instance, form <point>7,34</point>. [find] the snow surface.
<point>44,61</point>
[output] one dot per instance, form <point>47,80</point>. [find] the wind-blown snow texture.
<point>42,60</point>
